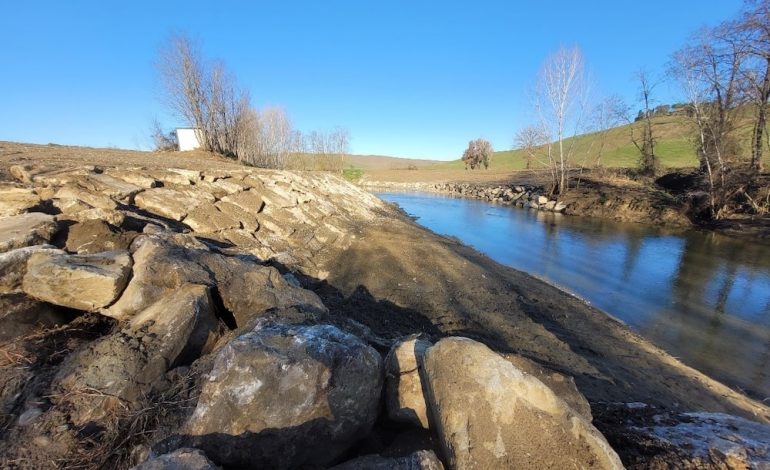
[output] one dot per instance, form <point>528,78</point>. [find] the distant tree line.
<point>724,73</point>
<point>206,96</point>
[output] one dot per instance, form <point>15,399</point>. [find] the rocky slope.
<point>236,318</point>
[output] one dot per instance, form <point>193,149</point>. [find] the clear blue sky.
<point>407,78</point>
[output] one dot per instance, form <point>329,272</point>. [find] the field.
<point>612,148</point>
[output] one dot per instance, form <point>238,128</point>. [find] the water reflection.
<point>704,298</point>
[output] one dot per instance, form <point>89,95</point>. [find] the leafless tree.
<point>163,141</point>
<point>753,29</point>
<point>329,149</point>
<point>561,96</point>
<point>534,142</point>
<point>710,71</point>
<point>478,153</point>
<point>204,95</point>
<point>645,143</point>
<point>611,112</point>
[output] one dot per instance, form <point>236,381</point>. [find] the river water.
<point>703,297</point>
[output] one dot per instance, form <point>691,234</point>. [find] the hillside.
<point>674,146</point>
<point>380,162</point>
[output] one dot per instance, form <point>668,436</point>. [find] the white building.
<point>188,138</point>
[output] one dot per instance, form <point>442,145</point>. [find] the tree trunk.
<point>759,126</point>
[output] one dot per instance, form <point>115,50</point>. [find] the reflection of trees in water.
<point>703,324</point>
<point>633,249</point>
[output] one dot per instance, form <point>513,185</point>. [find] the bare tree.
<point>329,149</point>
<point>611,112</point>
<point>561,95</point>
<point>645,144</point>
<point>534,142</point>
<point>163,141</point>
<point>710,71</point>
<point>204,95</point>
<point>753,29</point>
<point>478,153</point>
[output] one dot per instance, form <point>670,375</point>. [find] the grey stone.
<point>286,396</point>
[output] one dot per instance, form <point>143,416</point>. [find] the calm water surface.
<point>703,297</point>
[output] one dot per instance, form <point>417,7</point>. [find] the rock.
<point>134,176</point>
<point>15,200</point>
<point>83,282</point>
<point>247,218</point>
<point>94,236</point>
<point>13,266</point>
<point>107,185</point>
<point>559,207</point>
<point>207,218</point>
<point>533,205</point>
<point>562,385</point>
<point>490,414</point>
<point>712,440</point>
<point>180,459</point>
<point>167,202</point>
<point>247,289</point>
<point>542,200</point>
<point>404,394</point>
<point>93,199</point>
<point>120,368</point>
<point>549,206</point>
<point>420,460</point>
<point>33,228</point>
<point>250,201</point>
<point>286,396</point>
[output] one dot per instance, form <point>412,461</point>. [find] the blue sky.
<point>407,78</point>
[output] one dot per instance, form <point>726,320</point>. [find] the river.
<point>703,297</point>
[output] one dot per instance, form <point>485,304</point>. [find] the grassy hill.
<point>674,146</point>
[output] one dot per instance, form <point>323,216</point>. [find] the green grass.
<point>352,174</point>
<point>674,147</point>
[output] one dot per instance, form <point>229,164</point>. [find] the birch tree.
<point>561,95</point>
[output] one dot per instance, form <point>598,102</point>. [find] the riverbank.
<point>613,198</point>
<point>92,377</point>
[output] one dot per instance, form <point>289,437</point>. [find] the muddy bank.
<point>246,317</point>
<point>630,203</point>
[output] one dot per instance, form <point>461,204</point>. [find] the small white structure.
<point>187,137</point>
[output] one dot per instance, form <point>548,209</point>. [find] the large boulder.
<point>250,201</point>
<point>180,459</point>
<point>420,460</point>
<point>95,236</point>
<point>246,288</point>
<point>82,282</point>
<point>562,385</point>
<point>13,266</point>
<point>121,367</point>
<point>93,199</point>
<point>404,388</point>
<point>33,228</point>
<point>167,202</point>
<point>704,440</point>
<point>285,396</point>
<point>15,200</point>
<point>206,217</point>
<point>490,414</point>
